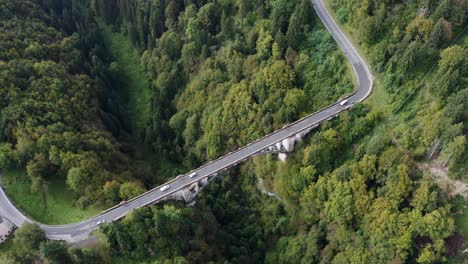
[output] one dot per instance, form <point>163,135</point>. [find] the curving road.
<point>77,231</point>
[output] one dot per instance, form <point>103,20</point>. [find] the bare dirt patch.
<point>440,175</point>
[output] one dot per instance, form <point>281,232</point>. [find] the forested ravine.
<point>218,75</point>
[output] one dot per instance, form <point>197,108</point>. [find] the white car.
<point>343,102</point>
<point>164,188</point>
<point>193,174</point>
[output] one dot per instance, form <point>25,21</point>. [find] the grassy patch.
<point>57,207</point>
<point>134,88</point>
<point>136,95</point>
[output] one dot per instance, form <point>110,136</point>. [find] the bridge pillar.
<point>189,193</point>
<point>288,144</point>
<point>282,156</point>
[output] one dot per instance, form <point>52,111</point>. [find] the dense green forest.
<point>403,41</point>
<point>221,74</point>
<point>56,103</point>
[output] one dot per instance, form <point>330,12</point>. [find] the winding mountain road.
<point>78,231</point>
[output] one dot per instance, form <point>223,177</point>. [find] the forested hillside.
<point>56,101</point>
<point>224,73</point>
<point>403,41</point>
<point>221,74</point>
<point>353,192</point>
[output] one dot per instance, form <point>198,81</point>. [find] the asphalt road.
<point>77,231</point>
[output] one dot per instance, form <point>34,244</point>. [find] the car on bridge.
<point>344,102</point>
<point>164,188</point>
<point>193,174</point>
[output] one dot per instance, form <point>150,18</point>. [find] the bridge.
<point>186,188</point>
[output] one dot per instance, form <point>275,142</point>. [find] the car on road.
<point>344,102</point>
<point>193,174</point>
<point>164,188</point>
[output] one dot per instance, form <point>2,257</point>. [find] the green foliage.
<point>50,251</point>
<point>7,260</point>
<point>210,88</point>
<point>7,156</point>
<point>77,179</point>
<point>215,75</point>
<point>129,190</point>
<point>351,194</point>
<point>448,78</point>
<point>54,251</point>
<point>111,191</point>
<point>411,46</point>
<point>28,238</point>
<point>461,215</point>
<point>129,80</point>
<point>57,98</point>
<point>84,256</point>
<point>231,225</point>
<point>167,234</point>
<point>345,202</point>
